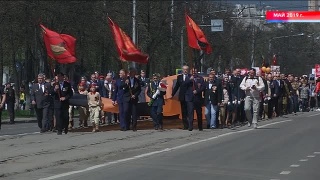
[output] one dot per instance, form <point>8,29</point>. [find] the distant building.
<point>313,5</point>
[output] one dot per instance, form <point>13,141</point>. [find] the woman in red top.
<point>317,91</point>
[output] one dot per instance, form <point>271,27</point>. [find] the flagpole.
<point>134,26</point>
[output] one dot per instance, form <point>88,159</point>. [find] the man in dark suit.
<point>126,93</point>
<point>42,100</point>
<point>237,98</point>
<point>198,89</point>
<point>278,94</point>
<point>157,102</point>
<point>186,97</point>
<point>10,101</point>
<point>212,100</point>
<point>120,89</point>
<point>134,86</point>
<point>61,95</point>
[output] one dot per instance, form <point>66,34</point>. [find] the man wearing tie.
<point>186,97</point>
<point>42,100</point>
<point>61,95</point>
<point>134,90</point>
<point>278,94</point>
<point>126,92</point>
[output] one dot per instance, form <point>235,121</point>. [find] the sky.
<point>279,5</point>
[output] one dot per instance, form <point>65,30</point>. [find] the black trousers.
<point>157,116</point>
<point>62,118</point>
<point>270,108</point>
<point>44,117</point>
<point>198,108</point>
<point>10,108</point>
<point>132,115</point>
<point>278,105</point>
<point>187,114</point>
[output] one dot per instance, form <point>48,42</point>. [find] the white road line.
<point>303,160</point>
<point>23,134</point>
<point>295,165</point>
<point>285,172</point>
<point>314,115</point>
<point>311,156</point>
<point>153,153</point>
<point>316,153</point>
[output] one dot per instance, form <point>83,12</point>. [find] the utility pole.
<point>134,26</point>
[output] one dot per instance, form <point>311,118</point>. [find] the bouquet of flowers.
<point>161,88</point>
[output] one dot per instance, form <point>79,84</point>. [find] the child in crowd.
<point>83,111</point>
<point>94,107</point>
<point>304,96</point>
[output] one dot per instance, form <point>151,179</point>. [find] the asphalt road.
<point>18,129</point>
<point>288,150</point>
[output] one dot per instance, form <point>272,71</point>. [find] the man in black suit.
<point>10,101</point>
<point>185,83</point>
<point>212,100</point>
<point>42,100</point>
<point>198,89</point>
<point>278,94</point>
<point>61,95</point>
<point>237,98</point>
<point>134,86</point>
<point>157,102</point>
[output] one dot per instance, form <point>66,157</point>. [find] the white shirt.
<point>131,81</point>
<point>184,77</point>
<point>41,86</point>
<point>247,83</point>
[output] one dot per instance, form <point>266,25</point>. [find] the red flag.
<point>274,60</point>
<point>196,38</point>
<point>126,49</point>
<point>60,47</point>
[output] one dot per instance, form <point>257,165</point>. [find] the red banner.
<point>317,69</point>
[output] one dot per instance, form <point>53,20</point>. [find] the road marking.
<point>295,165</point>
<point>311,156</point>
<point>154,152</point>
<point>285,172</point>
<point>303,160</point>
<point>23,134</point>
<point>274,179</point>
<point>316,153</point>
<point>314,115</point>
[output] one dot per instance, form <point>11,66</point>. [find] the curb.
<point>20,122</point>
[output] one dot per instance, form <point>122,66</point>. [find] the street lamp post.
<point>279,37</point>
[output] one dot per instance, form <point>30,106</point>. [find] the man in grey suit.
<point>43,102</point>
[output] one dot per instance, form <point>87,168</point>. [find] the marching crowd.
<point>230,100</point>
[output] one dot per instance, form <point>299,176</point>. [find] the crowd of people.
<point>230,99</point>
<point>233,99</point>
